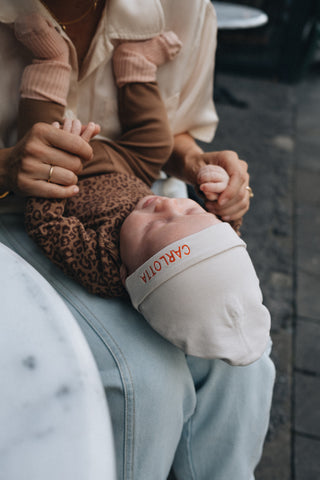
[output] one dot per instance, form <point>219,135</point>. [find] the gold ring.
<point>50,173</point>
<point>251,194</point>
<point>4,195</point>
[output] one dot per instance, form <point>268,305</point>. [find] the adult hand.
<point>188,158</point>
<point>29,164</point>
<point>234,201</point>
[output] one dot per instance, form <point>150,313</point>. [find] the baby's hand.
<point>212,180</point>
<point>87,132</point>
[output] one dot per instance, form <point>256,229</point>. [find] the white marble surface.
<point>234,16</point>
<point>54,420</point>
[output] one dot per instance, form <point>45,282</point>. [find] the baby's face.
<point>155,223</point>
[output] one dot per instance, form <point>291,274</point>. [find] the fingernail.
<point>75,189</point>
<point>227,218</point>
<point>223,201</point>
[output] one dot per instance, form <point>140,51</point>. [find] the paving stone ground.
<point>278,134</point>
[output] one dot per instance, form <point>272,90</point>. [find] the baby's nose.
<point>166,205</point>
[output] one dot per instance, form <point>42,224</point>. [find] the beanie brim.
<point>202,294</point>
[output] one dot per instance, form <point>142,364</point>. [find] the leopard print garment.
<point>81,234</point>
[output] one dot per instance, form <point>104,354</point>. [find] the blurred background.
<point>267,92</point>
<point>282,49</point>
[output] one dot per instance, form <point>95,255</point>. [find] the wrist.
<point>186,159</point>
<point>193,163</point>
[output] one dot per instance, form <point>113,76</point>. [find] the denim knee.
<point>148,385</point>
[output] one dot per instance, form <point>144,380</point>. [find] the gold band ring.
<point>251,194</point>
<point>4,195</point>
<point>50,173</point>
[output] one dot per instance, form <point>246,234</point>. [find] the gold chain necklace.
<point>64,25</point>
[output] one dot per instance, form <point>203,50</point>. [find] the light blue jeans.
<point>204,417</point>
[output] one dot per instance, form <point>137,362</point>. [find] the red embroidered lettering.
<point>143,278</point>
<point>153,273</point>
<point>164,258</point>
<point>187,249</point>
<point>157,265</point>
<point>171,256</point>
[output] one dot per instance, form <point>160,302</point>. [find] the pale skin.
<point>158,221</point>
<point>186,162</point>
<point>212,180</point>
<point>24,168</point>
<point>155,223</point>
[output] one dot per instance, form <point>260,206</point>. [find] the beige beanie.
<point>202,294</point>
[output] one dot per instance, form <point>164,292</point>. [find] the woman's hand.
<point>186,162</point>
<point>234,201</point>
<point>46,162</point>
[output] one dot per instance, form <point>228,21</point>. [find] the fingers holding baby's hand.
<point>212,180</point>
<point>87,132</point>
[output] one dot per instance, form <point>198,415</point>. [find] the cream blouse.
<point>186,83</point>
